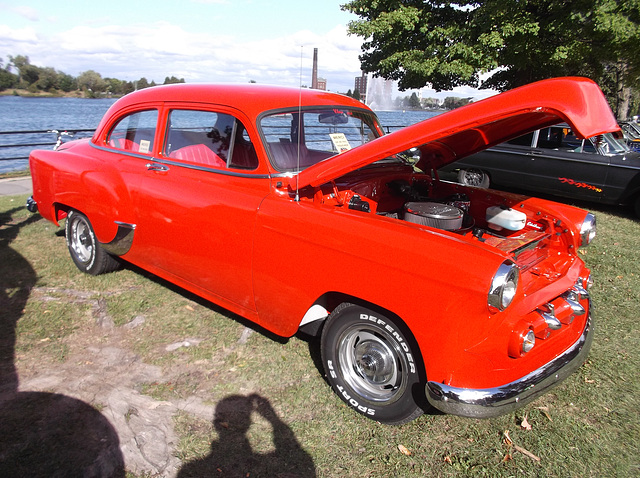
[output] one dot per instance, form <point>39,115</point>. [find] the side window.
<point>524,140</point>
<point>550,138</point>
<point>210,139</point>
<point>135,132</point>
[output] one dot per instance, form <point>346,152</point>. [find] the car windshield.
<point>606,144</point>
<point>296,139</point>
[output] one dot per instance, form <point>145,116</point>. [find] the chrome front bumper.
<point>492,402</point>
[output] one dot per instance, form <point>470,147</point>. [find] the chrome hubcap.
<point>81,240</point>
<point>372,366</point>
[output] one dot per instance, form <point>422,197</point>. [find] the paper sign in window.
<point>340,142</point>
<point>144,146</point>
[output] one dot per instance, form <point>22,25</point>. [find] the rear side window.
<point>135,132</point>
<point>524,140</point>
<point>210,139</point>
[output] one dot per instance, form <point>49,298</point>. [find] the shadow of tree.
<point>42,434</point>
<point>232,454</point>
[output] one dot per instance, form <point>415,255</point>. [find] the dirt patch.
<point>101,369</point>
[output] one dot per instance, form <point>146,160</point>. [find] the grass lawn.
<point>588,426</point>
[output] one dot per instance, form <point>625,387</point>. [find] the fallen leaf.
<point>188,307</point>
<point>403,449</point>
<point>589,381</point>
<point>507,438</point>
<point>525,425</point>
<point>447,459</point>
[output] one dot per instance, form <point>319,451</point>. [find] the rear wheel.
<point>473,177</point>
<point>372,364</point>
<point>636,206</point>
<point>86,252</point>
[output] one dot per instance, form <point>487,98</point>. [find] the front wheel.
<point>473,177</point>
<point>372,364</point>
<point>86,252</point>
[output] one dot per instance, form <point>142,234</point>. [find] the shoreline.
<point>45,94</point>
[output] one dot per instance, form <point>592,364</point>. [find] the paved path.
<point>15,186</point>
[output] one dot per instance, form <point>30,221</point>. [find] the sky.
<point>231,41</point>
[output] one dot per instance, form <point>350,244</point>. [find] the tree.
<point>142,83</point>
<point>19,62</point>
<point>47,79</point>
<point>172,80</point>
<point>7,79</point>
<point>66,82</point>
<point>91,82</point>
<point>414,102</point>
<point>453,102</point>
<point>448,44</point>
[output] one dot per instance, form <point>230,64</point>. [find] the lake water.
<point>41,114</point>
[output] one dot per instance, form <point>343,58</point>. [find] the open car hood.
<point>464,131</point>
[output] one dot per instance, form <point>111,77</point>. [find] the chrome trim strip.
<point>120,244</point>
<point>492,402</point>
<point>152,159</point>
<point>210,170</point>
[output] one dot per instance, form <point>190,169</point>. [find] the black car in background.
<point>554,161</point>
<point>631,130</point>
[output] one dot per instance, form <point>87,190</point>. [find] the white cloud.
<point>16,36</point>
<point>162,49</point>
<point>29,13</point>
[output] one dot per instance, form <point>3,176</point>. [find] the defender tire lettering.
<point>395,335</point>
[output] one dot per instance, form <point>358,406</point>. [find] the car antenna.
<point>298,131</point>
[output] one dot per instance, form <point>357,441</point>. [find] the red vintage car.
<point>292,209</point>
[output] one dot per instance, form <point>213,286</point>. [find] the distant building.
<point>314,71</point>
<point>316,82</point>
<point>361,86</point>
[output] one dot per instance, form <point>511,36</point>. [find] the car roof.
<point>253,99</point>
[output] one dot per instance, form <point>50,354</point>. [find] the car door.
<point>564,165</point>
<point>198,205</point>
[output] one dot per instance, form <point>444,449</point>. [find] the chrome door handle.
<point>157,167</point>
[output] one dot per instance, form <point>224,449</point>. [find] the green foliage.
<point>448,44</point>
<point>453,102</point>
<point>37,79</point>
<point>172,80</point>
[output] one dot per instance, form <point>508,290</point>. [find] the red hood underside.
<point>464,131</point>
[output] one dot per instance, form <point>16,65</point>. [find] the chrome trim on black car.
<point>492,402</point>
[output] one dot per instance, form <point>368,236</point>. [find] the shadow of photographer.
<point>42,434</point>
<point>232,454</point>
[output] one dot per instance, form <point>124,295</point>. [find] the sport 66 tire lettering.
<point>372,364</point>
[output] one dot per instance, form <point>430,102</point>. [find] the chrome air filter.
<point>434,214</point>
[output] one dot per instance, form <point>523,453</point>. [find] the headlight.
<point>588,229</point>
<point>503,287</point>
